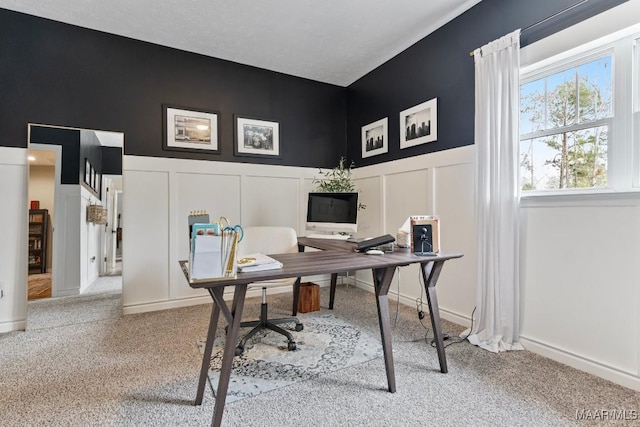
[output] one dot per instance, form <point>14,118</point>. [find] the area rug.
<point>327,343</point>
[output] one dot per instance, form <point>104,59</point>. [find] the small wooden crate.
<point>309,297</point>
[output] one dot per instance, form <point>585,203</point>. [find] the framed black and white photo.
<point>375,138</point>
<point>190,130</point>
<point>257,137</point>
<point>87,171</point>
<point>419,124</point>
<point>92,184</point>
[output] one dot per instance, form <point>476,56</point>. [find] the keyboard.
<point>329,236</point>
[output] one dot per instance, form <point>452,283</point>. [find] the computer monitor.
<point>332,212</point>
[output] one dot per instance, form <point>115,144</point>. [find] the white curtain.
<point>496,324</point>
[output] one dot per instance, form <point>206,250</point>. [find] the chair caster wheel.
<point>291,346</point>
<point>239,350</point>
<point>299,327</point>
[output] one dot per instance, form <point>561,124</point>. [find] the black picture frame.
<point>265,134</point>
<point>87,171</point>
<point>185,129</point>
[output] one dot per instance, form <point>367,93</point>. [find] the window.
<point>576,121</point>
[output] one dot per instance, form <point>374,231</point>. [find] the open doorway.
<point>113,230</point>
<point>42,183</point>
<point>79,192</point>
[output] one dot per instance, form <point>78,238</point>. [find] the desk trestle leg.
<point>233,317</point>
<point>382,280</point>
<point>206,358</point>
<point>430,274</point>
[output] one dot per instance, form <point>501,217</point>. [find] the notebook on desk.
<point>376,241</point>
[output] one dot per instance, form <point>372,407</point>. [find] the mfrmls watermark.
<point>607,415</point>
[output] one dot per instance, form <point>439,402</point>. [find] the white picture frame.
<point>419,124</point>
<point>190,130</point>
<point>257,137</point>
<point>375,138</point>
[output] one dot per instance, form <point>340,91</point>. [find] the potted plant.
<point>337,180</point>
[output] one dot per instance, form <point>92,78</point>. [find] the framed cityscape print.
<point>419,124</point>
<point>375,138</point>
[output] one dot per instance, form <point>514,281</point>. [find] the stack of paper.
<point>212,252</point>
<point>257,262</point>
<point>206,259</point>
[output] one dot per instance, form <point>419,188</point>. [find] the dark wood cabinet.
<point>38,231</point>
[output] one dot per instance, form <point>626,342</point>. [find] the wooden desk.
<point>336,257</point>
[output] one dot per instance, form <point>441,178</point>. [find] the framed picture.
<point>87,171</point>
<point>190,130</point>
<point>257,137</point>
<point>419,124</point>
<point>425,234</point>
<point>92,184</point>
<point>375,138</point>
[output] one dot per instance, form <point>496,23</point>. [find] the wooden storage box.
<point>309,297</point>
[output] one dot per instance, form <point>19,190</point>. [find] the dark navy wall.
<point>91,150</point>
<point>69,139</point>
<point>111,160</point>
<point>439,66</point>
<point>78,145</point>
<point>58,74</point>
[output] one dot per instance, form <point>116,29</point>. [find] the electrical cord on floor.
<point>456,341</point>
<point>422,316</point>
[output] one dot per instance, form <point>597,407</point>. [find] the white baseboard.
<point>451,316</point>
<point>68,293</point>
<point>575,361</point>
<point>457,318</point>
<point>624,379</point>
<point>165,305</point>
<point>188,302</point>
<point>16,325</point>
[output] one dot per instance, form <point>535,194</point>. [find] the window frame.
<point>623,143</point>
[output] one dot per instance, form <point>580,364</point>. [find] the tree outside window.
<point>564,124</point>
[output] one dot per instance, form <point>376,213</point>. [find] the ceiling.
<point>332,41</point>
<point>42,158</point>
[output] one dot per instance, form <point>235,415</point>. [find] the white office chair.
<point>270,240</point>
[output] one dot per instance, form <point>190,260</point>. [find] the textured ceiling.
<point>333,41</point>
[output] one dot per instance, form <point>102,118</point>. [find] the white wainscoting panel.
<point>268,200</point>
<point>406,193</point>
<point>159,193</point>
<point>428,184</point>
<point>67,278</point>
<point>219,195</point>
<point>580,279</point>
<point>145,238</point>
<point>90,253</point>
<point>454,202</point>
<point>13,234</point>
<point>370,219</point>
